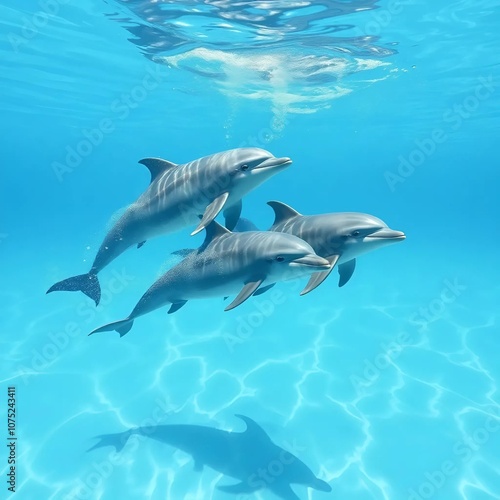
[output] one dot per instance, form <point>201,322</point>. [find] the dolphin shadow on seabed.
<point>249,456</point>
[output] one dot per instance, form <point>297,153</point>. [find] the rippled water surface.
<point>386,388</point>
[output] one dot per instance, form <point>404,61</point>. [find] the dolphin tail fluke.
<point>122,327</point>
<point>86,283</point>
<point>118,440</point>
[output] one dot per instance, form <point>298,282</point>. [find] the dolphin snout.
<point>388,234</point>
<point>274,162</point>
<point>313,261</point>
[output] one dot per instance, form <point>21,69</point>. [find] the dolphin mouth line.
<point>385,234</point>
<point>312,261</point>
<point>274,163</point>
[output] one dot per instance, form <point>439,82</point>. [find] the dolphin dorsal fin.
<point>282,212</point>
<point>156,166</point>
<point>213,231</point>
<point>254,429</point>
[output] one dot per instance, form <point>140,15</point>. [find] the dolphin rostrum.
<point>177,197</point>
<point>250,456</point>
<point>339,237</point>
<point>227,263</point>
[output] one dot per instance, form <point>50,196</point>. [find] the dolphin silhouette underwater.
<point>177,197</point>
<point>227,263</point>
<point>339,237</point>
<point>249,456</point>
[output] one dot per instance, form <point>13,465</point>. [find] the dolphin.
<point>338,237</point>
<point>177,197</point>
<point>226,263</point>
<point>244,225</point>
<point>250,456</point>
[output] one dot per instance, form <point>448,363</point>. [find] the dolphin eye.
<point>279,258</point>
<point>244,167</point>
<point>356,233</point>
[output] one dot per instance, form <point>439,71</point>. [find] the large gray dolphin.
<point>249,456</point>
<point>177,197</point>
<point>227,263</point>
<point>338,237</point>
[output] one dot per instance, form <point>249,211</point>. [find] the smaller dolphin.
<point>177,197</point>
<point>338,237</point>
<point>249,456</point>
<point>225,264</point>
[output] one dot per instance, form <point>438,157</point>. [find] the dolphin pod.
<point>249,457</point>
<point>338,237</point>
<point>234,260</point>
<point>177,196</point>
<point>245,263</point>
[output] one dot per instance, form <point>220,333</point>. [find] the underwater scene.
<point>250,250</point>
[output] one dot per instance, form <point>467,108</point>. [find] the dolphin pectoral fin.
<point>176,306</point>
<point>246,292</point>
<point>232,215</point>
<point>283,490</point>
<point>86,283</point>
<point>345,271</point>
<point>320,485</point>
<point>263,289</point>
<point>122,327</point>
<point>238,488</point>
<point>244,225</point>
<point>156,166</point>
<point>282,212</point>
<point>211,212</point>
<point>139,245</point>
<point>318,278</point>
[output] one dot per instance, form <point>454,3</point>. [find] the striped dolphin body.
<point>338,237</point>
<point>227,263</point>
<point>177,197</point>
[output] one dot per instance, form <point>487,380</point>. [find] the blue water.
<point>386,388</point>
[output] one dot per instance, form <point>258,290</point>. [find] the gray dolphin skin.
<point>177,197</point>
<point>247,456</point>
<point>227,263</point>
<point>338,237</point>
